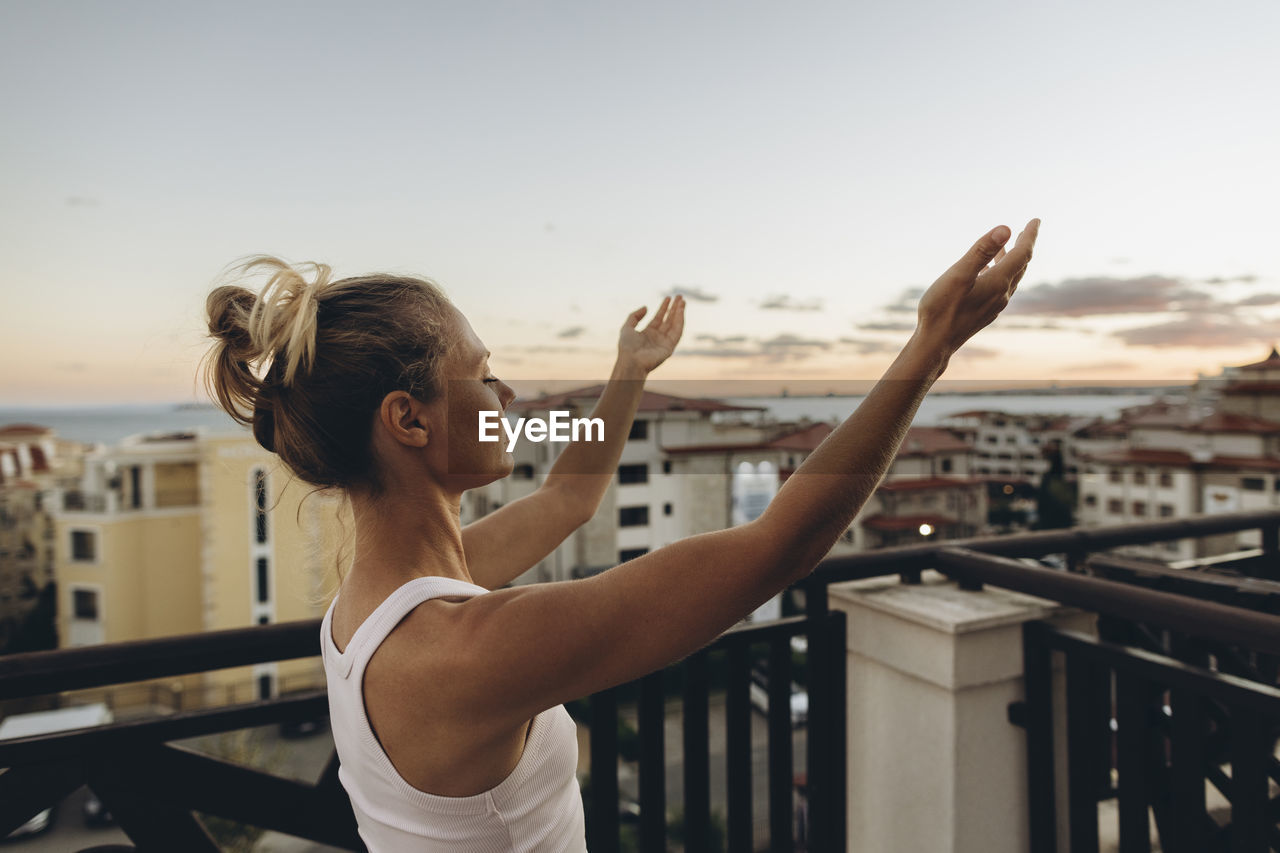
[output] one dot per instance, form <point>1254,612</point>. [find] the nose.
<point>506,394</point>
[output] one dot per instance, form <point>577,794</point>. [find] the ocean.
<point>110,424</point>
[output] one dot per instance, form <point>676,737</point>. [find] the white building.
<point>1174,461</point>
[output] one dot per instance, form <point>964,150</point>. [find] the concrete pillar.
<point>933,762</point>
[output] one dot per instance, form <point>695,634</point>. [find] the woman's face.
<point>470,388</point>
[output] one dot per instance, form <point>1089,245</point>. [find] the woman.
<point>445,690</point>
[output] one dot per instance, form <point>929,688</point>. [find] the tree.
<point>1055,498</point>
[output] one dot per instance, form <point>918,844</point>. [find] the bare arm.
<point>528,649</point>
<point>506,543</point>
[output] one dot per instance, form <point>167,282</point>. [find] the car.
<point>759,693</point>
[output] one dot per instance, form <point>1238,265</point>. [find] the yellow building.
<point>190,532</point>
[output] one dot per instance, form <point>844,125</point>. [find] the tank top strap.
<point>386,616</point>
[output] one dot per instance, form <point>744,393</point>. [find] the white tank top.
<point>536,808</point>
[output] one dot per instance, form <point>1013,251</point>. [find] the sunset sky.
<point>800,171</point>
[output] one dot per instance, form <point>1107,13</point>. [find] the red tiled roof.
<point>926,483</point>
<point>1181,458</point>
<point>805,438</point>
<point>650,401</point>
<point>905,522</point>
<point>1228,422</point>
<point>1251,387</point>
<point>1142,456</point>
<point>15,430</point>
<point>1271,362</point>
<point>925,441</point>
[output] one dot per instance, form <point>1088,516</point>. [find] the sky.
<point>800,171</point>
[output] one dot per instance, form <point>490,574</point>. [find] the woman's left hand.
<point>648,347</point>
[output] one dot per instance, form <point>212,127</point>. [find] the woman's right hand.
<point>971,294</point>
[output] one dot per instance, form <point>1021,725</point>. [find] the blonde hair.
<point>306,361</point>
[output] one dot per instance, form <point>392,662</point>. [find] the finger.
<point>659,314</point>
<point>1020,254</point>
<point>981,253</point>
<point>999,255</point>
<point>677,323</point>
<point>677,306</point>
<point>634,317</point>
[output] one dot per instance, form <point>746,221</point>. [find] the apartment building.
<point>694,465</point>
<point>183,532</point>
<point>1177,460</point>
<point>32,460</point>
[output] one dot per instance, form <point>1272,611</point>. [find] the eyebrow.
<point>482,358</point>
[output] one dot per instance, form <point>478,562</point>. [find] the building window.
<point>262,580</point>
<point>1166,479</point>
<point>993,439</point>
<point>631,553</point>
<point>1010,439</point>
<point>523,471</point>
<point>84,546</point>
<point>633,516</point>
<point>1115,506</point>
<point>946,465</point>
<point>84,604</point>
<point>639,431</point>
<point>1140,477</point>
<point>264,620</point>
<point>1140,509</point>
<point>1090,500</point>
<point>1115,475</point>
<point>260,505</point>
<point>666,469</point>
<point>633,473</point>
<point>1166,510</point>
<point>667,509</point>
<point>264,687</point>
<point>1253,484</point>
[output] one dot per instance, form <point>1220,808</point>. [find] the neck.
<point>400,537</point>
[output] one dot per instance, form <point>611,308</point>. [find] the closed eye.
<point>491,379</point>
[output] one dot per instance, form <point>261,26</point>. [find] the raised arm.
<point>506,543</point>
<point>534,647</point>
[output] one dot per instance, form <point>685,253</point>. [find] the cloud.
<point>969,351</point>
<point>1102,295</point>
<point>870,346</point>
<point>1258,299</point>
<point>571,332</point>
<point>697,294</point>
<point>1093,366</point>
<point>779,348</point>
<point>1198,330</point>
<point>786,303</point>
<point>1243,279</point>
<point>907,302</point>
<point>888,326</point>
<point>1049,326</point>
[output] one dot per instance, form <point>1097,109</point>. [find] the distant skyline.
<point>801,172</point>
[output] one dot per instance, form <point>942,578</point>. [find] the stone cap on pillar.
<point>938,632</point>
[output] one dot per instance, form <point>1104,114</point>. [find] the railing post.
<point>602,824</point>
<point>931,670</point>
<point>1038,680</point>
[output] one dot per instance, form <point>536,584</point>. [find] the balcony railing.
<point>130,764</point>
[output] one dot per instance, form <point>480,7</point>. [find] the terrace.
<point>962,697</point>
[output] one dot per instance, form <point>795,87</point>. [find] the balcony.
<point>1137,709</point>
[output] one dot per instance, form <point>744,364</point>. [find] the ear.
<point>404,419</point>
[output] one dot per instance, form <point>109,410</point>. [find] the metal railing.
<point>128,764</point>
